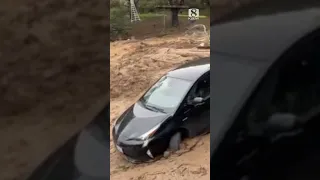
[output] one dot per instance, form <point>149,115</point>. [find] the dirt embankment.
<point>53,65</point>
<point>48,50</point>
<point>135,65</point>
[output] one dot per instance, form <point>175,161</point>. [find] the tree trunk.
<point>136,3</point>
<point>129,9</point>
<point>175,17</point>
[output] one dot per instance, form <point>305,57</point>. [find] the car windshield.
<point>166,94</point>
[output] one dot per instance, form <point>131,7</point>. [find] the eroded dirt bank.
<point>53,66</point>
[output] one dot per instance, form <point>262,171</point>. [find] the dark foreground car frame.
<point>265,110</point>
<point>85,156</point>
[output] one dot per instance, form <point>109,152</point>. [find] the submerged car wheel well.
<point>184,133</point>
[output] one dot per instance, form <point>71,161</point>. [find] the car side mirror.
<point>197,100</point>
<point>281,122</point>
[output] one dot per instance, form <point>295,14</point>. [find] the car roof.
<point>260,8</point>
<point>263,31</point>
<point>191,70</point>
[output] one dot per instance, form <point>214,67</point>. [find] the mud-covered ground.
<point>135,65</point>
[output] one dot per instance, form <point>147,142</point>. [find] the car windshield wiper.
<point>149,107</point>
<point>155,108</point>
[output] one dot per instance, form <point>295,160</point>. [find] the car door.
<point>248,150</point>
<point>196,116</point>
<point>294,154</point>
<point>244,138</point>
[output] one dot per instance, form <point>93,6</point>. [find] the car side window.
<point>203,87</point>
<point>299,88</point>
<point>292,88</point>
<point>200,89</point>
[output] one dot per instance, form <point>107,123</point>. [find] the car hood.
<point>136,121</point>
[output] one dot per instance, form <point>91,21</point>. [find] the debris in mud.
<point>124,168</point>
<point>202,171</point>
<point>166,154</point>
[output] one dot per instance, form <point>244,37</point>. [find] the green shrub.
<point>119,22</point>
<point>147,6</point>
